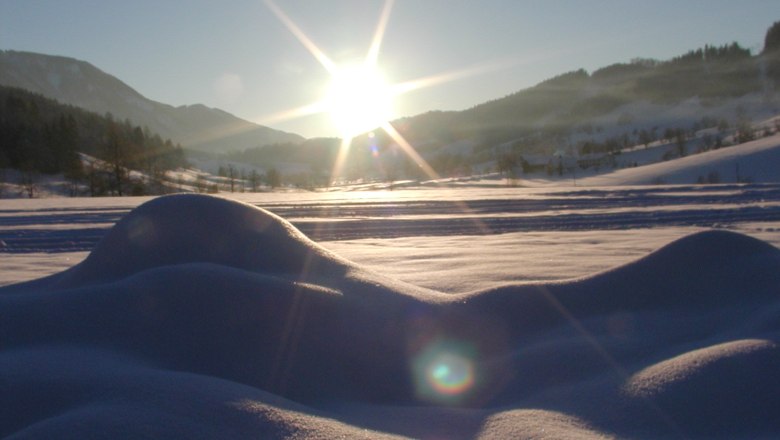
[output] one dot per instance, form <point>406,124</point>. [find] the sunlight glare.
<point>301,36</point>
<point>409,150</point>
<point>358,99</point>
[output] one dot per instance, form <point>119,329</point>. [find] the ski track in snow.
<point>63,229</point>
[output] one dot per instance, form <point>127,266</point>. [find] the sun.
<point>358,99</point>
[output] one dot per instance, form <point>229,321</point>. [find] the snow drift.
<point>199,317</point>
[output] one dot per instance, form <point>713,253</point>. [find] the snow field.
<point>200,317</point>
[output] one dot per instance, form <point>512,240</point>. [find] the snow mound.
<point>198,317</point>
<point>187,228</point>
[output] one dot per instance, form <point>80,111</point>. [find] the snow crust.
<point>200,317</point>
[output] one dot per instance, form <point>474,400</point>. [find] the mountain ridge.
<point>697,100</point>
<point>79,83</point>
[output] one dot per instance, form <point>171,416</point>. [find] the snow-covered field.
<point>462,312</point>
<point>454,240</point>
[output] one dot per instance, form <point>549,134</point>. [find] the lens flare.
<point>445,372</point>
<point>451,374</point>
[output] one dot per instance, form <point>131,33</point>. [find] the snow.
<point>488,313</point>
<point>440,263</point>
<point>754,161</point>
<point>453,309</point>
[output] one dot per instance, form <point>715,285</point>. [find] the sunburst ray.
<point>324,59</point>
<point>369,63</point>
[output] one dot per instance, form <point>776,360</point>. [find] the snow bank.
<point>755,161</point>
<point>198,317</point>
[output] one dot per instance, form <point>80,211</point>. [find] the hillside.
<point>81,84</point>
<point>575,102</point>
<point>754,161</point>
<point>40,135</point>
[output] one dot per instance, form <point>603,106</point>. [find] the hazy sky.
<point>237,56</point>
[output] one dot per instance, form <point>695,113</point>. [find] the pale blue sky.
<point>237,56</point>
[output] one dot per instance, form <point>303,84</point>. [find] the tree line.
<point>40,135</point>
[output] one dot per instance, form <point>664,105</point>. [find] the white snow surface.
<point>457,309</point>
<point>754,161</point>
<point>642,312</point>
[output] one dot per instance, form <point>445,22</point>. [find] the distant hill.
<point>579,102</point>
<point>81,84</point>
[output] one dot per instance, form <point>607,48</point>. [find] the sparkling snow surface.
<point>439,313</point>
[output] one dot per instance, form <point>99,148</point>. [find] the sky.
<point>238,56</point>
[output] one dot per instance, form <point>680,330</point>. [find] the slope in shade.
<point>201,317</point>
<point>78,83</point>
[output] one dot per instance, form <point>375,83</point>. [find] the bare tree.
<point>117,158</point>
<point>680,141</point>
<point>29,181</point>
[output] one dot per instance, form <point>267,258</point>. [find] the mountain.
<point>81,84</point>
<point>703,99</point>
<point>613,100</point>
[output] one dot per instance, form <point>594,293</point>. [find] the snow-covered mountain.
<point>81,84</point>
